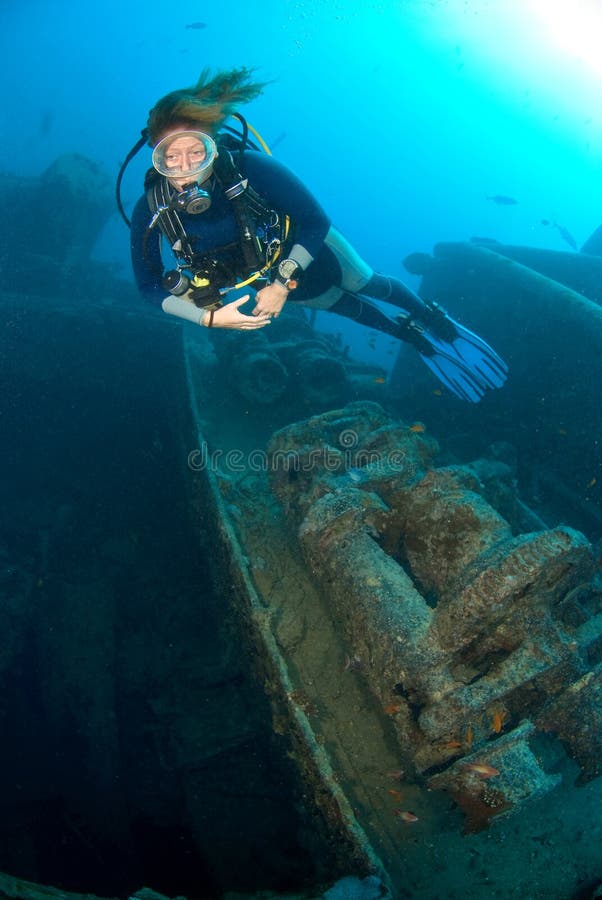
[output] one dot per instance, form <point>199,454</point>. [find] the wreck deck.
<point>343,744</point>
<point>346,743</point>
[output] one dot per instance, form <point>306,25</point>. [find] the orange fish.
<point>395,774</point>
<point>497,721</point>
<point>469,738</point>
<point>392,709</point>
<point>405,815</point>
<point>418,427</point>
<point>379,380</point>
<point>482,769</point>
<point>452,745</point>
<point>395,794</point>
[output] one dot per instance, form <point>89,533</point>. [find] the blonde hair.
<point>206,105</point>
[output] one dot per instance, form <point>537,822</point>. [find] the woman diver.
<point>234,216</point>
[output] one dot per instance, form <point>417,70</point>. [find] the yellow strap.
<point>260,139</point>
<point>249,280</point>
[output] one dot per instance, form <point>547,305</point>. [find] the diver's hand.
<point>228,316</point>
<point>270,300</point>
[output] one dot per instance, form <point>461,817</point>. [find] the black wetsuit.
<point>334,278</point>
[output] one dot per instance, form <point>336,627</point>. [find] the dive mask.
<point>186,158</point>
<point>185,154</point>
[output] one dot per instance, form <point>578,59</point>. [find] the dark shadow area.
<point>137,747</point>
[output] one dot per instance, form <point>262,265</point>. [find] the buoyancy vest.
<point>263,232</point>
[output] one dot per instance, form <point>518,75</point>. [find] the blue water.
<point>404,117</point>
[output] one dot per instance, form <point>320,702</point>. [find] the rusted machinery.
<point>473,637</point>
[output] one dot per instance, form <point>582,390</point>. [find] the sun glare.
<point>573,27</point>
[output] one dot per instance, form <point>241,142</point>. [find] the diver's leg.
<point>429,322</point>
<point>445,365</point>
<point>365,313</point>
<point>394,291</point>
<point>357,277</point>
<point>459,358</point>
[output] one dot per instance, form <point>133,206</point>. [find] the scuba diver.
<point>233,216</point>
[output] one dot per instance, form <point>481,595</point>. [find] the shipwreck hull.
<point>541,310</point>
<point>410,620</point>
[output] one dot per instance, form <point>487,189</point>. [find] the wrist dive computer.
<point>289,273</point>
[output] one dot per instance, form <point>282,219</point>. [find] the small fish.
<point>437,392</point>
<point>452,745</point>
<point>503,200</point>
<point>566,236</point>
<point>469,737</point>
<point>391,709</point>
<point>405,815</point>
<point>591,483</point>
<point>563,432</point>
<point>481,769</point>
<point>379,380</point>
<point>418,427</point>
<point>395,774</point>
<point>395,794</point>
<point>196,26</point>
<point>497,721</point>
<point>564,233</point>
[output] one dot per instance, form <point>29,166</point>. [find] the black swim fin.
<point>441,359</point>
<point>480,357</point>
<point>460,359</point>
<point>477,355</point>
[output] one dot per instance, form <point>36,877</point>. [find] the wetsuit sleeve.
<point>145,249</point>
<point>285,192</point>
